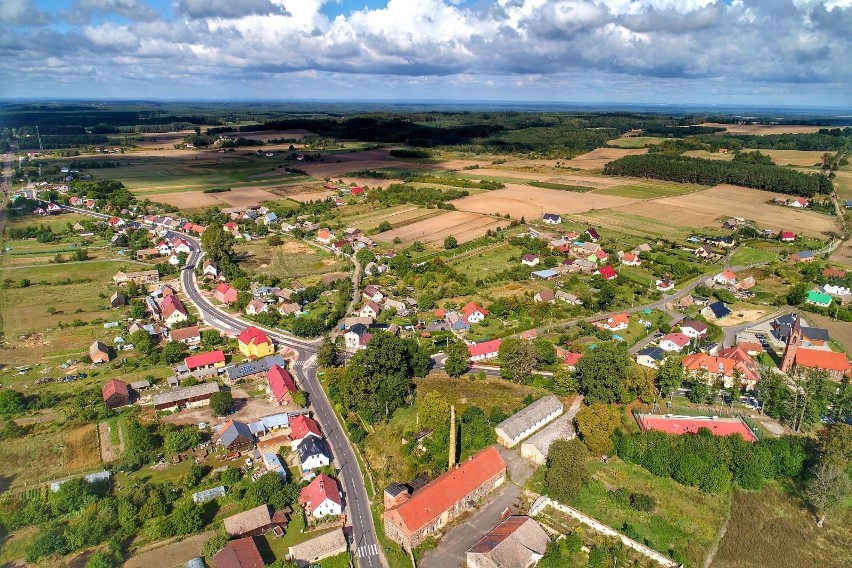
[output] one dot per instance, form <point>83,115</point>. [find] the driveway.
<point>452,548</point>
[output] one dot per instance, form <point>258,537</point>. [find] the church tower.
<point>793,343</point>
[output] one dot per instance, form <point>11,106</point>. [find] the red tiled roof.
<point>788,235</point>
<point>440,495</point>
<point>280,382</point>
<point>607,272</point>
<point>184,333</point>
<point>484,348</point>
<point>678,339</point>
<point>819,359</point>
<point>499,534</point>
<point>252,334</point>
<point>114,387</point>
<point>471,307</point>
<point>170,305</point>
<point>321,488</point>
<point>440,313</point>
<point>204,359</point>
<point>240,553</point>
<point>572,358</point>
<point>302,425</point>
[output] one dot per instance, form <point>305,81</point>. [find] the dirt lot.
<point>534,202</point>
<point>238,197</point>
<point>766,128</point>
<point>248,409</point>
<point>597,159</point>
<point>81,451</point>
<point>463,226</point>
<point>739,317</point>
<point>110,452</point>
<point>705,208</point>
<point>311,196</point>
<point>843,254</point>
<point>172,554</point>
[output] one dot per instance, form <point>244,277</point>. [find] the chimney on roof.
<point>452,456</point>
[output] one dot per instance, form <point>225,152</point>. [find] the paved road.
<point>364,544</point>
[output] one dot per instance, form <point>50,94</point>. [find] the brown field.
<point>843,254</point>
<point>533,202</point>
<point>266,135</point>
<point>705,208</point>
<point>237,197</point>
<point>792,157</point>
<point>463,226</point>
<point>597,159</point>
<point>709,155</point>
<point>766,128</point>
<point>165,140</point>
<point>345,162</point>
<point>81,451</point>
<point>550,175</point>
<point>312,196</point>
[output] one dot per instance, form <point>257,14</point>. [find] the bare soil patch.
<point>293,247</point>
<point>248,408</point>
<point>597,159</point>
<point>175,553</point>
<point>463,226</point>
<point>189,199</point>
<point>766,128</point>
<point>706,208</point>
<point>81,451</point>
<point>110,452</point>
<point>843,253</point>
<point>311,196</point>
<point>533,202</point>
<point>739,317</point>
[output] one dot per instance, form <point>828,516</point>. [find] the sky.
<point>726,52</point>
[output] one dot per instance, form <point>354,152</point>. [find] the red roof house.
<point>607,273</point>
<point>571,359</point>
<point>225,293</point>
<point>281,384</point>
<point>473,313</point>
<point>115,393</point>
<point>788,236</point>
<point>357,191</point>
<point>301,427</point>
<point>484,350</point>
<point>321,497</point>
<point>205,360</point>
<point>240,553</point>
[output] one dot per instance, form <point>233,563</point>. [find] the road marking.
<point>365,551</point>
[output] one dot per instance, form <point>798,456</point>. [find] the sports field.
<point>691,425</point>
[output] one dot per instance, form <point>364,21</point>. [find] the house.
<point>232,228</point>
<point>517,542</point>
<point>716,310</point>
<point>569,299</point>
<point>746,283</point>
<point>545,296</point>
<point>189,335</point>
<point>787,237</point>
<point>651,357</point>
<point>818,299</point>
<point>800,202</point>
<point>473,313</point>
<point>189,397</point>
<point>325,236</point>
<point>209,360</point>
<point>748,367</point>
<point>256,307</point>
<point>599,256</point>
<point>301,427</point>
<point>552,218</point>
<point>836,290</point>
<point>236,435</point>
<point>281,384</point>
<point>357,337</point>
<point>571,359</point>
<point>615,322</point>
<point>630,259</point>
<point>146,254</point>
<point>210,269</point>
<point>704,251</point>
<point>310,552</point>
<point>530,260</point>
<point>99,353</point>
<point>357,191</point>
<point>802,256</point>
<point>254,522</point>
<point>117,300</point>
<point>141,277</point>
<point>313,453</point>
<point>425,512</point>
<point>607,273</point>
<point>254,343</point>
<point>835,364</point>
<point>115,394</point>
<point>833,273</point>
<point>847,204</point>
<point>674,342</point>
<point>225,293</point>
<point>370,310</point>
<point>239,553</point>
<point>719,367</point>
<point>725,278</point>
<point>457,322</point>
<point>528,420</point>
<point>321,497</point>
<point>535,447</point>
<point>665,284</point>
<point>693,329</point>
<point>372,293</point>
<point>484,350</point>
<point>173,311</point>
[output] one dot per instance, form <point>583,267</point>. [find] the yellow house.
<point>254,343</point>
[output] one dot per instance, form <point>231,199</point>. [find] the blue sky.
<point>632,51</point>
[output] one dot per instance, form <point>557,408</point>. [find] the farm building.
<point>189,397</point>
<point>235,435</point>
<point>117,300</point>
<point>115,393</point>
<point>536,447</point>
<point>517,542</point>
<point>528,420</point>
<point>425,512</point>
<point>99,477</point>
<point>99,352</point>
<point>281,384</point>
<point>143,277</point>
<point>255,521</point>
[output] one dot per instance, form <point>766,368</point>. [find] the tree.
<point>300,398</point>
<point>458,359</point>
<point>137,309</point>
<point>545,351</point>
<point>433,410</point>
<point>603,373</point>
<point>518,359</point>
<point>328,354</point>
<point>180,439</point>
<point>384,226</point>
<point>564,381</point>
<point>187,518</point>
<point>73,495</point>
<point>798,294</point>
<point>174,351</point>
<point>210,338</point>
<point>12,402</point>
<point>450,242</point>
<point>566,473</point>
<point>217,243</point>
<point>221,402</point>
<point>670,375</point>
<point>595,425</point>
<point>640,383</point>
<point>101,560</point>
<point>829,485</point>
<point>477,431</point>
<point>273,240</point>
<point>142,341</point>
<point>215,544</point>
<point>699,388</point>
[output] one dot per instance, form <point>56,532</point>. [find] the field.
<point>793,157</point>
<point>597,159</point>
<point>489,262</point>
<point>765,128</point>
<point>312,196</point>
<point>396,216</point>
<point>747,255</point>
<point>636,141</point>
<point>290,260</point>
<point>533,202</point>
<point>547,174</point>
<point>238,197</point>
<point>341,163</point>
<point>463,226</point>
<point>36,458</point>
<point>709,155</point>
<point>707,208</point>
<point>771,528</point>
<point>81,450</point>
<point>650,189</point>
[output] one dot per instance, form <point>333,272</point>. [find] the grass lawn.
<point>489,262</point>
<point>636,141</point>
<point>686,519</point>
<point>773,528</point>
<point>747,255</point>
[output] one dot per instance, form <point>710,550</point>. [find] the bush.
<point>621,496</point>
<point>643,502</point>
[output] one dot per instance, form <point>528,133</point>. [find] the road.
<point>364,545</point>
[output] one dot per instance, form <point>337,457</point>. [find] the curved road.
<point>365,546</point>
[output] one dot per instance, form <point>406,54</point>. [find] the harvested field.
<point>709,155</point>
<point>765,128</point>
<point>533,202</point>
<point>81,450</point>
<point>551,176</point>
<point>237,197</point>
<point>843,254</point>
<point>636,141</point>
<point>338,164</point>
<point>312,196</point>
<point>597,159</point>
<point>396,216</point>
<point>463,226</point>
<point>792,157</point>
<point>706,208</point>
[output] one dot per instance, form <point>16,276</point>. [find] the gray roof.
<point>560,429</point>
<point>654,353</point>
<point>179,394</point>
<point>208,494</point>
<point>312,446</point>
<point>240,370</point>
<point>230,434</point>
<point>517,541</point>
<point>517,423</point>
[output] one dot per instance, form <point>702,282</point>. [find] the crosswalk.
<point>365,551</point>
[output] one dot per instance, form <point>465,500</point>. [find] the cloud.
<point>228,8</point>
<point>21,13</point>
<point>130,9</point>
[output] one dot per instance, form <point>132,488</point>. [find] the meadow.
<point>290,260</point>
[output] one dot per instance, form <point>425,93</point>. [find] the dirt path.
<point>169,552</point>
<point>110,452</point>
<point>711,554</point>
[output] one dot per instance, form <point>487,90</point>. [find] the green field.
<point>637,225</point>
<point>650,189</point>
<point>489,262</point>
<point>397,216</point>
<point>747,255</point>
<point>290,260</point>
<point>636,141</point>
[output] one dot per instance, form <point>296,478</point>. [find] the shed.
<point>532,418</point>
